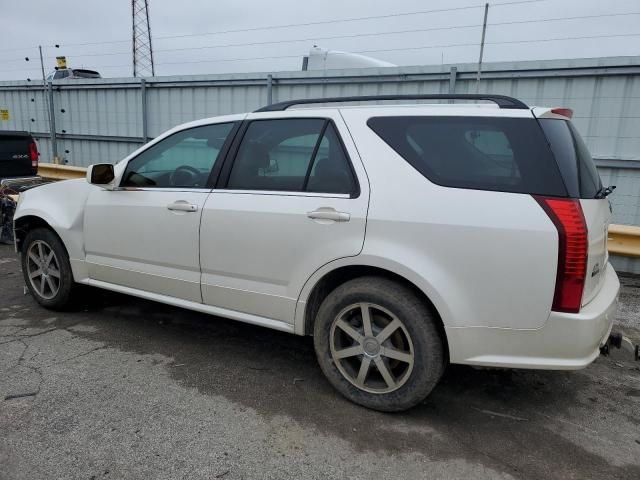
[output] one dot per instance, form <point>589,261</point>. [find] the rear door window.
<point>485,153</point>
<point>578,169</point>
<point>295,155</point>
<point>331,172</point>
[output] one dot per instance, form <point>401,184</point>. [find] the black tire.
<point>420,325</point>
<point>66,285</point>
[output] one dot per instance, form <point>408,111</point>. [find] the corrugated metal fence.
<point>103,120</point>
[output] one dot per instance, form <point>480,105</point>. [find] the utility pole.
<point>47,90</point>
<point>44,81</point>
<point>484,31</point>
<point>141,39</point>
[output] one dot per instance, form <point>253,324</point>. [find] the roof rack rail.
<point>501,100</point>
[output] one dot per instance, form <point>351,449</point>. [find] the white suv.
<point>402,237</point>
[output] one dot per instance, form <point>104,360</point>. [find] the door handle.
<point>182,206</point>
<point>329,214</point>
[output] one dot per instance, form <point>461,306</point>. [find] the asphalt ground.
<point>122,388</point>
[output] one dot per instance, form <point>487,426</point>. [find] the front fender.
<point>61,205</point>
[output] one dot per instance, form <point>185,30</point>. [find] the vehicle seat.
<point>246,173</point>
<point>331,175</point>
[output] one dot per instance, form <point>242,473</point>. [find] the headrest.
<point>256,155</point>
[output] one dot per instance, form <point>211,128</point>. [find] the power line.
<point>565,38</point>
<point>22,70</point>
<point>332,37</point>
<point>418,30</point>
<point>425,47</point>
<point>320,22</point>
<point>422,47</point>
<point>557,19</point>
<point>352,19</point>
<point>270,42</point>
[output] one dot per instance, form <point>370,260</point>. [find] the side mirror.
<point>101,174</point>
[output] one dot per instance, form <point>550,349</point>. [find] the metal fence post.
<point>52,124</point>
<point>269,89</point>
<point>143,99</point>
<point>453,73</point>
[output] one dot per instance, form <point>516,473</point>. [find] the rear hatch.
<point>539,155</point>
<point>18,154</point>
<point>582,182</point>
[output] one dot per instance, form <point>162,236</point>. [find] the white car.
<point>402,237</point>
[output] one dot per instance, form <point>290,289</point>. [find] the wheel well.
<point>337,277</point>
<point>24,224</point>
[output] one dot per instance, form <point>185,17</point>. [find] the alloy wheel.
<point>43,269</point>
<point>371,347</point>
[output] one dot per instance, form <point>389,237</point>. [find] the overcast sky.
<point>184,30</point>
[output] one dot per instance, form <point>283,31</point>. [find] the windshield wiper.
<point>604,192</point>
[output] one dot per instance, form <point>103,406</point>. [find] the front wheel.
<point>378,344</point>
<point>46,268</point>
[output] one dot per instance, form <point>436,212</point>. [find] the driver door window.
<point>183,160</point>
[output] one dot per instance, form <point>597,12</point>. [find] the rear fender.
<point>379,262</point>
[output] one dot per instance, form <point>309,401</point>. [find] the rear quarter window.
<point>574,160</point>
<point>484,153</point>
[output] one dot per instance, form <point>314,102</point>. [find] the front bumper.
<point>565,342</point>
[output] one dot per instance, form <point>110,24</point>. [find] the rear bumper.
<point>18,174</point>
<point>565,342</point>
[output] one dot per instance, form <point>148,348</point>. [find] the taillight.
<point>33,154</point>
<point>566,214</point>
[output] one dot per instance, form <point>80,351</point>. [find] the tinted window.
<point>184,159</point>
<point>575,162</point>
<point>486,153</point>
<point>85,74</point>
<point>14,154</point>
<point>291,155</point>
<point>331,171</point>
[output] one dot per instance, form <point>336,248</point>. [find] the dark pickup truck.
<point>18,155</point>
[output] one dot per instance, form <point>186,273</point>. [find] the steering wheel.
<point>184,176</point>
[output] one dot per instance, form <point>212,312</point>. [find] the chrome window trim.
<point>161,189</point>
<point>282,193</point>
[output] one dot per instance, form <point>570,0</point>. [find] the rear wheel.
<point>378,344</point>
<point>46,268</point>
